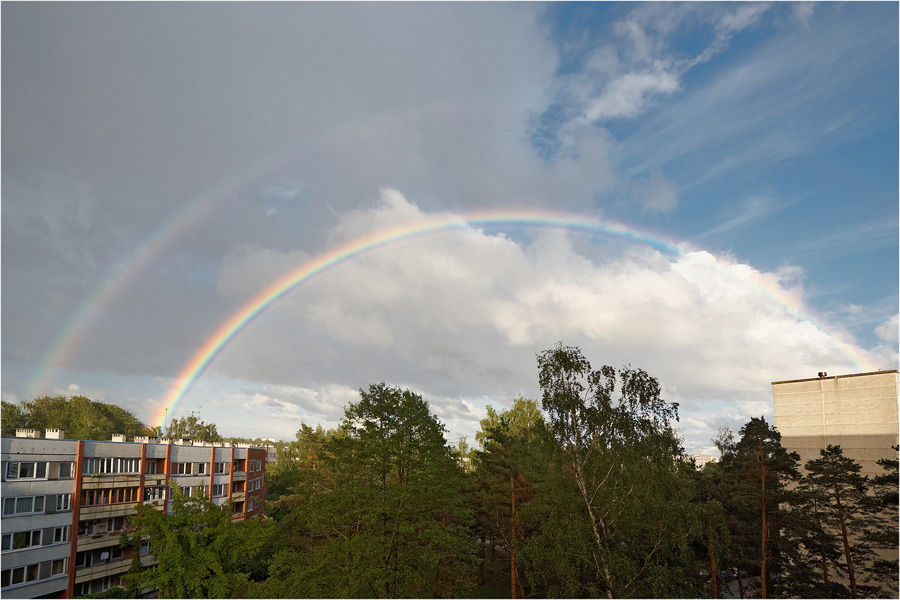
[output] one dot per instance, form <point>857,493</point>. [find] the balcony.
<point>238,496</point>
<point>155,479</point>
<point>100,481</point>
<point>115,567</point>
<point>239,475</point>
<point>158,504</point>
<point>106,511</point>
<point>98,540</point>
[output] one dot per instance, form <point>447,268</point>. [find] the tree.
<point>200,551</point>
<point>619,448</point>
<point>763,469</point>
<point>192,428</point>
<point>848,512</point>
<point>78,416</point>
<point>394,523</point>
<point>507,467</point>
<point>885,500</point>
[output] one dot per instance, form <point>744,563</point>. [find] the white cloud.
<point>628,94</point>
<point>458,316</point>
<point>888,331</point>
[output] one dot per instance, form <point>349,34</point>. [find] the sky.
<point>708,192</point>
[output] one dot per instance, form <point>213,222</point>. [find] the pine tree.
<point>763,469</point>
<point>848,512</point>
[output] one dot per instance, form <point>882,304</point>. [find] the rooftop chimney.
<point>26,433</point>
<point>55,434</point>
<point>118,437</point>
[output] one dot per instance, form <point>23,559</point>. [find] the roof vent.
<point>26,433</point>
<point>55,434</point>
<point>822,374</point>
<point>118,437</point>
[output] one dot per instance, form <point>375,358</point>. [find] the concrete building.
<point>65,503</point>
<point>857,412</point>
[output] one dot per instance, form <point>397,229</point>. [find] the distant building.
<point>65,502</point>
<point>701,460</point>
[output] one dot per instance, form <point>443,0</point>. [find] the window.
<point>23,539</point>
<point>64,502</point>
<point>23,505</point>
<point>61,534</point>
<point>85,528</point>
<point>220,489</point>
<point>115,524</point>
<point>151,467</point>
<point>202,468</point>
<point>58,567</point>
<point>26,470</point>
<point>27,573</point>
<point>145,548</point>
<point>109,496</point>
<point>221,468</point>
<point>181,468</point>
<point>154,493</point>
<point>65,470</point>
<point>92,466</point>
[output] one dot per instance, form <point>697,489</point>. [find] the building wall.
<point>856,412</point>
<point>78,537</point>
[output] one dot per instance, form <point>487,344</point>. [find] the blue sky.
<point>163,163</point>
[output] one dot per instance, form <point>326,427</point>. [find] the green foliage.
<point>515,450</point>
<point>113,592</point>
<point>80,417</point>
<point>617,462</point>
<point>849,515</point>
<point>192,428</point>
<point>388,518</point>
<point>200,552</point>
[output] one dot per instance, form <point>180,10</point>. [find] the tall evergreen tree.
<point>395,521</point>
<point>884,538</point>
<point>764,469</point>
<point>849,512</point>
<point>511,461</point>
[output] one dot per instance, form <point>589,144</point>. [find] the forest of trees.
<point>585,493</point>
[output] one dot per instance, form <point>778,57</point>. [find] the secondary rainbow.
<point>530,219</point>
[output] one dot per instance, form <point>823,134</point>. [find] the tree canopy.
<point>79,417</point>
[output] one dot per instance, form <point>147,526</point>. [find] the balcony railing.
<point>105,511</point>
<point>115,567</point>
<point>110,480</point>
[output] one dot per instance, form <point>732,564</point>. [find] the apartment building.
<point>65,503</point>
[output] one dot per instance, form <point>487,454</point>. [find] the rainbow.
<point>508,218</point>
